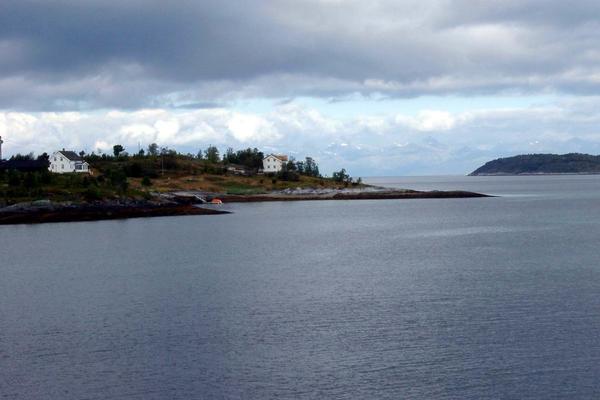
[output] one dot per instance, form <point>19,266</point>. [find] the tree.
<point>146,182</point>
<point>118,149</point>
<point>22,157</point>
<point>199,156</point>
<point>141,153</point>
<point>43,157</point>
<point>230,156</point>
<point>212,154</point>
<point>291,165</point>
<point>81,153</point>
<point>153,150</point>
<point>342,177</point>
<point>311,168</point>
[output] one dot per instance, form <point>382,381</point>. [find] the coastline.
<point>98,212</point>
<point>187,203</point>
<point>354,195</point>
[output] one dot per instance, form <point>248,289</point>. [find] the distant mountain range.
<point>573,163</point>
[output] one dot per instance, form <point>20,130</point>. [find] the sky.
<point>378,87</point>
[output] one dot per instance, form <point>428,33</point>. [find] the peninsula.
<point>67,186</point>
<point>539,164</point>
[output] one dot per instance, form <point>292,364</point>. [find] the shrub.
<point>134,169</point>
<point>118,179</point>
<point>92,193</point>
<point>288,175</point>
<point>14,178</point>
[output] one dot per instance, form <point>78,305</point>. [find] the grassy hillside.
<point>138,176</point>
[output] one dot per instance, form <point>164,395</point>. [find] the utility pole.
<point>1,148</point>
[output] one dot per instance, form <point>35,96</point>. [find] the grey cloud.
<point>531,12</point>
<point>133,53</point>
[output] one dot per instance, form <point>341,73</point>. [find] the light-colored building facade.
<point>64,162</point>
<point>274,163</point>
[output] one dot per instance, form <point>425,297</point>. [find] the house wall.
<point>59,164</point>
<point>272,164</point>
<point>84,167</point>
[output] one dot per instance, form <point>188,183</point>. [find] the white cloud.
<point>428,141</point>
<point>246,128</point>
<point>432,120</point>
<point>166,130</point>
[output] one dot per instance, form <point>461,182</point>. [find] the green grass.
<point>243,189</point>
<point>215,178</point>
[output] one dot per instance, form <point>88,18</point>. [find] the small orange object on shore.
<point>216,201</point>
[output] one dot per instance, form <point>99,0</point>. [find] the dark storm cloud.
<point>140,53</point>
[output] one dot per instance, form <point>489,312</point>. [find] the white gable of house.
<point>61,164</point>
<point>272,164</point>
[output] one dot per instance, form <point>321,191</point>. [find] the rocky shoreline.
<point>353,195</point>
<point>32,213</point>
<point>189,203</point>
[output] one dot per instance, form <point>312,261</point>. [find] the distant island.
<point>537,164</point>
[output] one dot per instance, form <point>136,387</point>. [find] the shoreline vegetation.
<point>162,182</point>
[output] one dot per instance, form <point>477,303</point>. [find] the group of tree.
<point>250,158</point>
<point>31,184</point>
<point>308,167</point>
<point>29,157</point>
<point>342,176</point>
<point>23,184</point>
<point>115,168</point>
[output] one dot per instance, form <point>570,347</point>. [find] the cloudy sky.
<point>379,87</point>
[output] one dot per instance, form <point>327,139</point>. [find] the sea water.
<point>373,299</point>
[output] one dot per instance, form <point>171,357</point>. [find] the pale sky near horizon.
<point>378,87</point>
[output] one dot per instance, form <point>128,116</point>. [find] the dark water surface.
<point>385,299</point>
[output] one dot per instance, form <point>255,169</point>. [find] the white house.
<point>62,162</point>
<point>273,163</point>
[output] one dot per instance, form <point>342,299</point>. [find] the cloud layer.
<point>65,55</point>
<point>429,142</point>
<point>89,74</point>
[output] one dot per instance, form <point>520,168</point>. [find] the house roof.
<point>71,155</point>
<point>281,157</point>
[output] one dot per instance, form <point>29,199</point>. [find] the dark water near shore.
<point>383,299</point>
